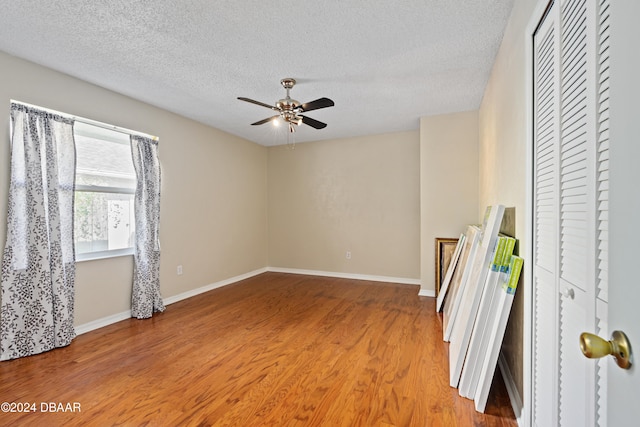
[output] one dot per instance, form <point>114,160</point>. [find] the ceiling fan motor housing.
<point>287,104</point>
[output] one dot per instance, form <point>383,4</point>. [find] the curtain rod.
<point>88,121</point>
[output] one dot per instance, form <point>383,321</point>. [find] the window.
<point>104,223</point>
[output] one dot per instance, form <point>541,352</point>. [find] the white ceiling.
<point>384,63</point>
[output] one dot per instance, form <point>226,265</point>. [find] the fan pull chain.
<point>291,138</point>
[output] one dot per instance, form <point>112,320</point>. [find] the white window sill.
<point>91,256</point>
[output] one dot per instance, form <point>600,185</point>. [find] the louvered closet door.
<point>576,185</point>
<point>570,202</point>
<point>546,155</point>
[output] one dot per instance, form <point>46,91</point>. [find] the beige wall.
<point>503,157</point>
<point>214,190</point>
<point>448,183</point>
<point>357,194</point>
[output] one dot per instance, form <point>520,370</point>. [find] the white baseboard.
<point>100,323</point>
<point>212,286</point>
<point>105,321</point>
<point>427,293</point>
<point>512,390</point>
<point>401,280</point>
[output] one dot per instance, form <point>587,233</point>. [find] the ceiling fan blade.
<point>317,104</point>
<point>263,121</point>
<point>313,122</point>
<point>262,104</point>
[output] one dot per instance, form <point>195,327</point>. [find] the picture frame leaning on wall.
<point>445,251</point>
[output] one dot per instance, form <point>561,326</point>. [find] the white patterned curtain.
<point>38,263</point>
<point>145,297</point>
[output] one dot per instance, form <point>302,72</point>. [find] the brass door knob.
<point>594,347</point>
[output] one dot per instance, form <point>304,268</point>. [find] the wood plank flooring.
<point>273,350</point>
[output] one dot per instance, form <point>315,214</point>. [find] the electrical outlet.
<point>348,255</point>
<point>179,270</point>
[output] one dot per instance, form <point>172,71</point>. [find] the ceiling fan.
<point>291,110</point>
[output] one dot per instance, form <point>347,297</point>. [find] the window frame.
<point>103,189</point>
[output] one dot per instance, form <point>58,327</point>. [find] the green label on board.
<point>515,266</point>
<point>508,251</point>
<point>499,253</point>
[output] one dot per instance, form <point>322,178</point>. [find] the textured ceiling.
<point>385,64</point>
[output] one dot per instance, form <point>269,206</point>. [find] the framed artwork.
<point>445,247</point>
<point>453,265</point>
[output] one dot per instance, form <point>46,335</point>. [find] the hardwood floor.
<point>273,350</point>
